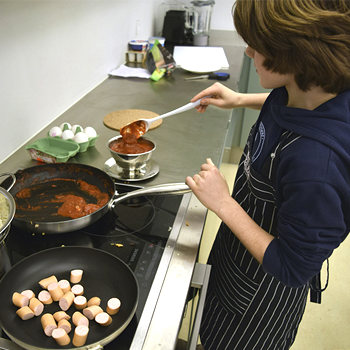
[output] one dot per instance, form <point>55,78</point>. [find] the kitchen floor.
<point>324,326</point>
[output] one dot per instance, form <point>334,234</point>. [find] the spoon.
<point>139,127</point>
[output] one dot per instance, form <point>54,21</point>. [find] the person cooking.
<point>290,206</point>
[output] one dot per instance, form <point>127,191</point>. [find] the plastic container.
<point>153,39</point>
<point>53,150</point>
<point>138,45</point>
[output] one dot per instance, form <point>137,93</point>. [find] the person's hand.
<point>221,96</point>
<point>210,187</point>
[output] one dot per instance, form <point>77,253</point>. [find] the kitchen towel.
<point>128,72</point>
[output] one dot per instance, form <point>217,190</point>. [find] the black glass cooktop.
<point>136,231</point>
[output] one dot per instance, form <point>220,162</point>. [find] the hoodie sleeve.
<point>311,202</point>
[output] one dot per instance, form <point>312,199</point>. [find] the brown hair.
<point>307,38</point>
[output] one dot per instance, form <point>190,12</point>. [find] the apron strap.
<point>270,169</point>
<point>315,286</point>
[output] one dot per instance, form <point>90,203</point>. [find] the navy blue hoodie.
<point>312,184</point>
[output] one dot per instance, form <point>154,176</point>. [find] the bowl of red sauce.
<point>131,156</point>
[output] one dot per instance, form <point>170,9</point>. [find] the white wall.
<point>222,15</point>
<point>53,52</point>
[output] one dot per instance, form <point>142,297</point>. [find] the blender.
<point>176,18</point>
<point>202,10</point>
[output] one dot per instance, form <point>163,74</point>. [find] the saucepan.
<point>44,184</point>
<point>104,276</point>
<point>8,204</point>
<point>8,208</point>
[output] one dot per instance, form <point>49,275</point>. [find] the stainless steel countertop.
<point>183,143</point>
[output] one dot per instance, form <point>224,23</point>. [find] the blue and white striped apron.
<point>247,309</point>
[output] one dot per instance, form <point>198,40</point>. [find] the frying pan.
<point>45,182</point>
<point>105,276</point>
<point>48,180</point>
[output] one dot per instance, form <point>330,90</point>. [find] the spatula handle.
<point>180,109</point>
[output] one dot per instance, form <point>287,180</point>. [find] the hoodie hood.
<point>329,123</point>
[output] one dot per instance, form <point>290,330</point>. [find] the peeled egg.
<point>65,126</point>
<point>67,135</point>
<point>55,131</point>
<point>74,128</point>
<point>80,137</point>
<point>90,132</point>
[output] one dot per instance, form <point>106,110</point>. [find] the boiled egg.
<point>55,131</point>
<point>67,135</point>
<point>90,132</point>
<point>80,137</point>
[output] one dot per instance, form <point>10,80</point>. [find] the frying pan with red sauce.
<point>41,191</point>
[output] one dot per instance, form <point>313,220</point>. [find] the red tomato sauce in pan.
<point>76,207</point>
<point>24,193</point>
<point>73,206</point>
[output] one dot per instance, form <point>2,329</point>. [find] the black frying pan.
<point>45,182</point>
<point>104,276</point>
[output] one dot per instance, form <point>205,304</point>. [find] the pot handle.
<point>13,179</point>
<point>164,189</point>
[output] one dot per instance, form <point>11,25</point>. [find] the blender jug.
<point>201,21</point>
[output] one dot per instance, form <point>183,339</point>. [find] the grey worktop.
<point>183,143</point>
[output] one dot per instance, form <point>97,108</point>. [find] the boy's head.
<point>307,38</point>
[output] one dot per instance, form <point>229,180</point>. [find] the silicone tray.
<point>53,150</point>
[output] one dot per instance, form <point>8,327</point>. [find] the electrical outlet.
<point>137,27</point>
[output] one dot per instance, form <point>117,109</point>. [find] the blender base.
<point>200,40</point>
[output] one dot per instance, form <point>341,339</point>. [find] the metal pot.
<point>5,263</point>
<point>45,176</point>
<point>11,205</point>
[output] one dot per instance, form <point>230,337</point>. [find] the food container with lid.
<point>153,39</point>
<point>138,45</point>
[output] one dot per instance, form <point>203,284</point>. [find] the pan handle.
<point>13,179</point>
<point>164,189</point>
<point>9,345</point>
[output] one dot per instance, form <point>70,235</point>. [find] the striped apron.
<point>247,309</point>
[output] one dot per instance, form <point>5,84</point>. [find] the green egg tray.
<point>83,146</point>
<point>53,150</point>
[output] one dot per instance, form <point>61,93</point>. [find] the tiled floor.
<point>325,326</point>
